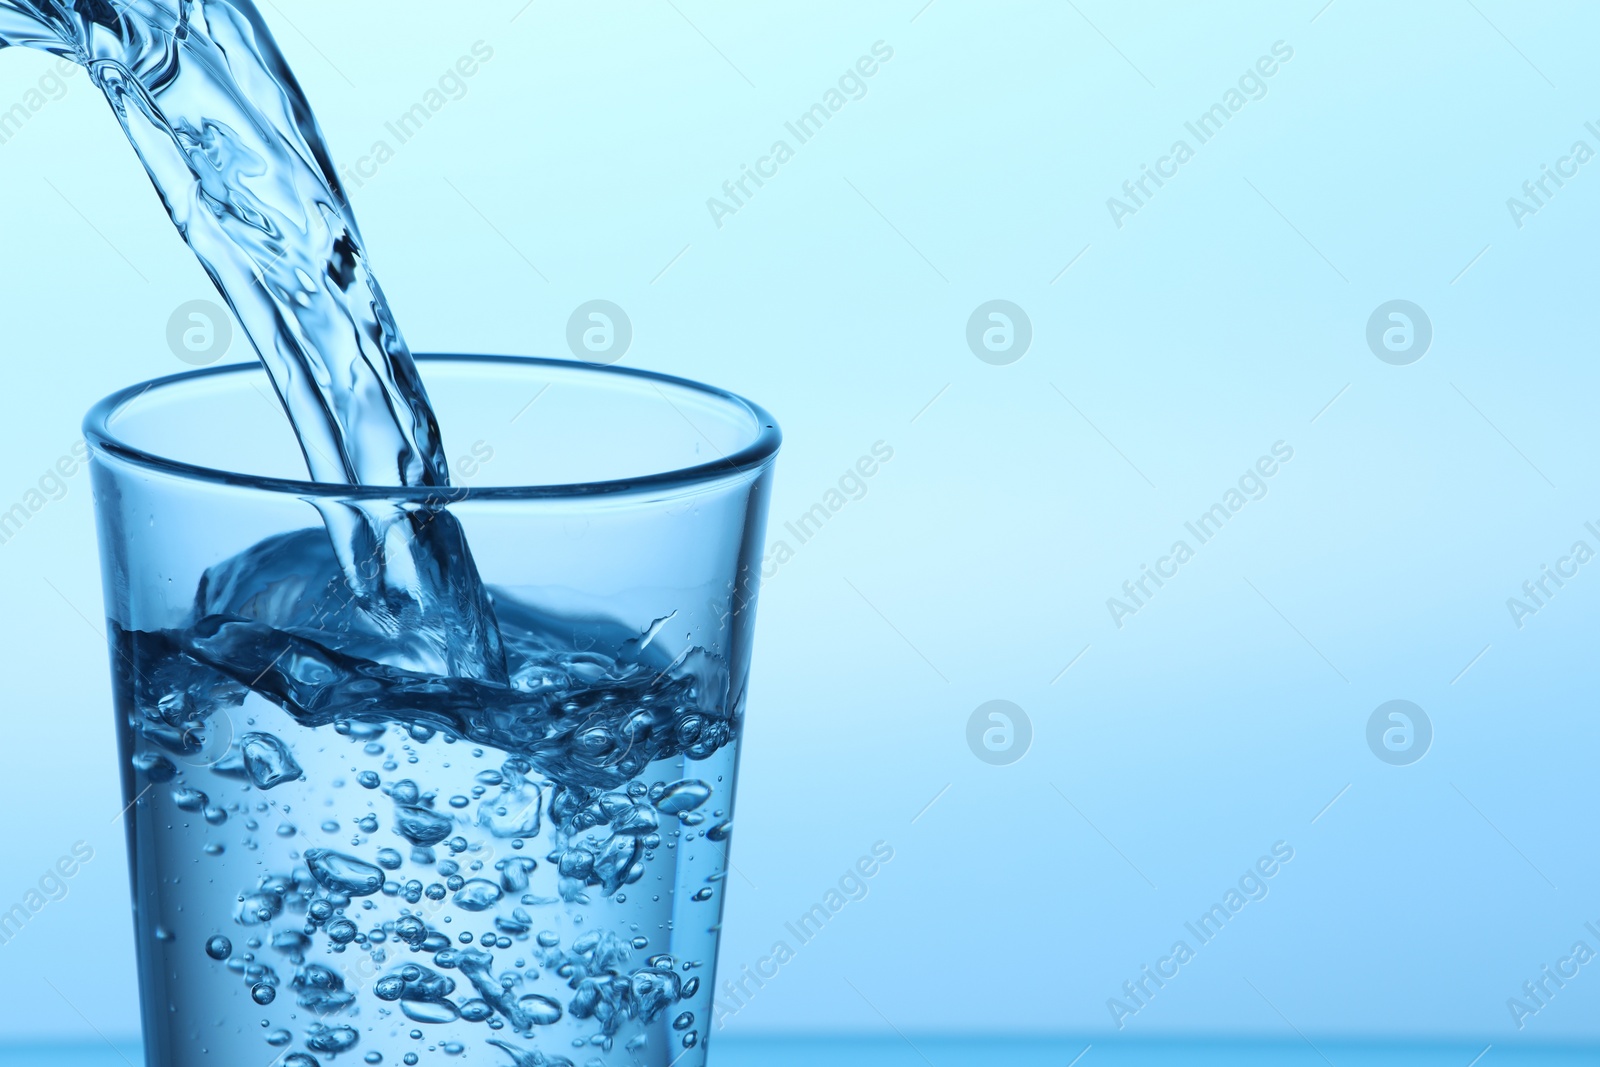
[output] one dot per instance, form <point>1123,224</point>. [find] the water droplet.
<point>346,874</point>
<point>683,796</point>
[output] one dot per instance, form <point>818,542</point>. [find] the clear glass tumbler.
<point>335,853</point>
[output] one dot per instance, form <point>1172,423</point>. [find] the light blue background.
<point>1223,317</point>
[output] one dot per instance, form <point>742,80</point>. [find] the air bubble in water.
<point>480,894</point>
<point>683,796</point>
<point>332,1039</point>
<point>267,760</point>
<point>263,994</point>
<point>422,826</point>
<point>219,948</point>
<point>343,873</point>
<point>389,859</point>
<point>429,1011</point>
<point>540,1010</point>
<point>155,766</point>
<point>515,872</point>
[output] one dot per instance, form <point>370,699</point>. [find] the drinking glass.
<point>335,853</point>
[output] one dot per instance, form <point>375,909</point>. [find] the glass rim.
<point>757,453</point>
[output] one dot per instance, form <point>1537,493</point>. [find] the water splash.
<point>229,141</point>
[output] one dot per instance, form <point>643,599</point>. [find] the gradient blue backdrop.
<point>1168,354</point>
